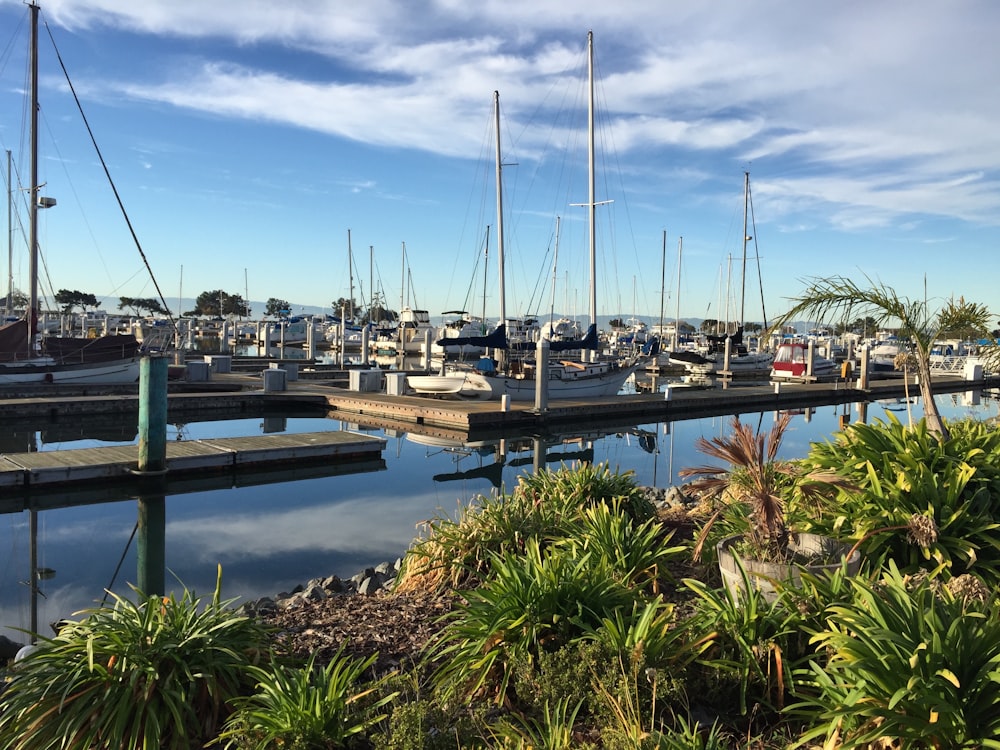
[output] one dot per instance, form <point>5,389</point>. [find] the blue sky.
<point>246,139</point>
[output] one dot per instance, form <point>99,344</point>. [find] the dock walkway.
<point>54,470</point>
<point>234,395</point>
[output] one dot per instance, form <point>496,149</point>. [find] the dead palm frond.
<point>755,478</point>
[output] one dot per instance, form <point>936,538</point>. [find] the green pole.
<point>152,414</point>
<point>151,545</point>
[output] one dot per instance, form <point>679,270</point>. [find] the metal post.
<point>427,350</point>
<point>542,375</point>
<point>864,360</point>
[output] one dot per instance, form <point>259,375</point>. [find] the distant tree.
<point>140,305</point>
<point>277,308</point>
<point>70,299</point>
<point>18,300</point>
<point>218,303</point>
<point>752,327</point>
<point>686,327</point>
<point>379,312</point>
<point>708,325</point>
<point>616,323</point>
<point>349,306</point>
<point>865,327</point>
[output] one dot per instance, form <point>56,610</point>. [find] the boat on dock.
<point>792,362</point>
<point>26,354</point>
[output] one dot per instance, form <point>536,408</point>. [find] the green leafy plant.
<point>158,672</point>
<point>536,601</point>
<point>906,472</point>
<point>305,706</point>
<point>746,642</point>
<point>584,485</point>
<point>637,552</point>
<point>455,553</point>
<point>907,662</point>
<point>553,730</point>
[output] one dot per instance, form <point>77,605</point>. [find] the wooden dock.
<point>21,472</point>
<point>109,471</point>
<point>478,418</point>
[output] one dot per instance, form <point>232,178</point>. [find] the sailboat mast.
<point>555,271</point>
<point>746,238</point>
<point>677,313</point>
<point>592,207</point>
<point>33,190</point>
<point>663,278</point>
<point>500,248</point>
<point>10,236</point>
<point>350,274</point>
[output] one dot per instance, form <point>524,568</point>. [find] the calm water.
<point>272,537</point>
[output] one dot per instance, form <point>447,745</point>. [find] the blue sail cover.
<point>495,339</point>
<point>589,341</point>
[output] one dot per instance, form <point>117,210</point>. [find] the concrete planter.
<point>763,574</point>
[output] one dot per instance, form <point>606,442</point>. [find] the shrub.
<point>908,471</point>
<point>909,662</point>
<point>304,706</point>
<point>158,672</point>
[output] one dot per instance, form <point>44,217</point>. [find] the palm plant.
<point>840,298</point>
<point>756,479</point>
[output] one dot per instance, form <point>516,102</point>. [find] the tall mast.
<point>746,238</point>
<point>677,313</point>
<point>500,248</point>
<point>33,190</point>
<point>663,278</point>
<point>10,236</point>
<point>592,207</point>
<point>350,274</point>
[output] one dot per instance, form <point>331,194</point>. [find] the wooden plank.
<point>116,462</point>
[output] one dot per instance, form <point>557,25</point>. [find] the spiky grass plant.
<point>909,664</point>
<point>528,603</point>
<point>907,472</point>
<point>454,553</point>
<point>306,706</point>
<point>156,672</point>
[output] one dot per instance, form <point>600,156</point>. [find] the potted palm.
<point>750,492</point>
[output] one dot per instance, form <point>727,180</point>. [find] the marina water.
<point>271,537</point>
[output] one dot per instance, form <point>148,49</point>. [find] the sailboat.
<point>712,359</point>
<point>566,378</point>
<point>24,356</point>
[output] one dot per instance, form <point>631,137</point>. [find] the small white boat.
<point>456,384</point>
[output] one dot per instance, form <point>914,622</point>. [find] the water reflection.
<point>271,536</point>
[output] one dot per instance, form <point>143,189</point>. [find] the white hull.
<point>44,370</point>
<point>593,381</point>
<point>457,385</point>
<point>744,364</point>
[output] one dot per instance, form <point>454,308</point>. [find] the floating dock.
<point>53,471</point>
<point>234,460</point>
